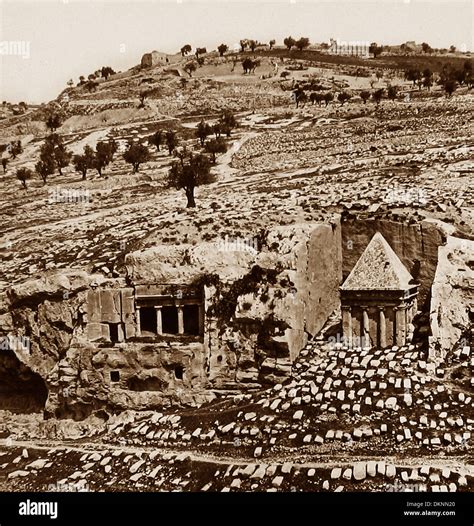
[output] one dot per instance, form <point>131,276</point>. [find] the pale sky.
<point>68,38</point>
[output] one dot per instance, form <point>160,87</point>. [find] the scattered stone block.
<point>381,467</point>
<point>260,472</point>
<point>372,468</point>
<point>298,415</point>
<point>277,481</point>
<point>360,470</point>
<point>347,474</point>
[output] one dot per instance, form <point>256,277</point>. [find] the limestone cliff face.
<point>452,298</point>
<point>37,319</point>
<point>415,244</point>
<point>314,268</point>
<point>184,263</point>
<point>259,304</point>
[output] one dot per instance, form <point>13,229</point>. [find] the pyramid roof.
<point>379,268</point>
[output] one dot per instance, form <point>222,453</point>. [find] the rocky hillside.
<point>345,418</point>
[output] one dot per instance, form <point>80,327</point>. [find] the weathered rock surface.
<point>452,301</point>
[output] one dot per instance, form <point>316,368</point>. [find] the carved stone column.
<point>347,325</point>
<point>137,318</point>
<point>365,328</point>
<point>382,329</point>
<point>159,320</point>
<point>180,320</point>
<point>400,326</point>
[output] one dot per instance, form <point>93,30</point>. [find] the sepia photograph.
<point>237,255</point>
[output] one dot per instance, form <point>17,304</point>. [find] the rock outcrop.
<point>452,297</point>
<point>247,309</point>
<point>37,321</point>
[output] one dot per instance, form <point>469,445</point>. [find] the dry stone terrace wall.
<point>201,96</point>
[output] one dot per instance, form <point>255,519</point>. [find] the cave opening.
<point>21,389</point>
<point>179,372</point>
<point>114,332</point>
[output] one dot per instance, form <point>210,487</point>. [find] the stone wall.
<point>153,59</point>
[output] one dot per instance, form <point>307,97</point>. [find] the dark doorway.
<point>114,376</point>
<point>148,321</point>
<point>114,333</point>
<point>178,372</point>
<point>169,317</point>
<point>191,319</point>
